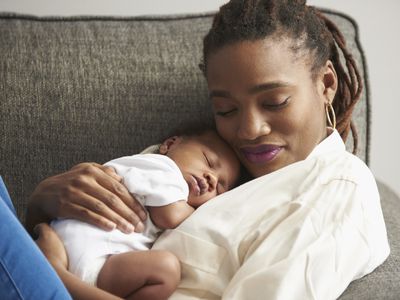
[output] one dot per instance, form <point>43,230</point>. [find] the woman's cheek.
<point>225,129</point>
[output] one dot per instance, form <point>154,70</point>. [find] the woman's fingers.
<point>99,173</point>
<point>109,205</point>
<point>87,215</point>
<point>110,199</point>
<point>117,188</point>
<point>119,191</point>
<point>92,207</point>
<point>109,171</point>
<point>89,192</point>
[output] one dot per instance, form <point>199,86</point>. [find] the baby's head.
<point>208,164</point>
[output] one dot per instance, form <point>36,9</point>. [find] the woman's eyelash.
<point>283,103</point>
<point>224,113</point>
<point>271,106</point>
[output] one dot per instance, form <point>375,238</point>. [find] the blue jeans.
<point>24,271</point>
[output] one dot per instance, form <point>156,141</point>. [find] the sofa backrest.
<point>77,89</point>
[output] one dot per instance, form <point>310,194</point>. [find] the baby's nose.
<point>212,181</point>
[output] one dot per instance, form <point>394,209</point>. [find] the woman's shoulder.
<point>354,166</point>
<point>337,163</point>
<point>343,166</point>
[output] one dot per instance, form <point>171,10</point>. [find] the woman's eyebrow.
<point>253,90</point>
<point>268,86</point>
<point>219,93</point>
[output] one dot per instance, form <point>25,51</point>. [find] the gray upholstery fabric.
<point>91,89</point>
<point>75,90</point>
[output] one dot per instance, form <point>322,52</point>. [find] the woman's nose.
<point>253,125</point>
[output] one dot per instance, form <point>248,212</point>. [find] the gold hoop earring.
<point>330,115</point>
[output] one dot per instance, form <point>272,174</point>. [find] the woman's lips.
<point>262,153</point>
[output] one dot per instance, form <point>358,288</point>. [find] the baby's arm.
<point>152,274</point>
<point>171,215</point>
<point>81,290</point>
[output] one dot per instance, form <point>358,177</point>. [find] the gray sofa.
<point>75,89</point>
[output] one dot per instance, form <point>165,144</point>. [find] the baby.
<point>189,170</point>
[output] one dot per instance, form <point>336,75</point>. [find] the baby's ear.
<point>169,143</point>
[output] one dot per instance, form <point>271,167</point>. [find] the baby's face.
<point>208,164</point>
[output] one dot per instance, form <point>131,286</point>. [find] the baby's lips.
<point>194,186</point>
<point>203,185</point>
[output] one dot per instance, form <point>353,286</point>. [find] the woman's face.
<point>266,104</point>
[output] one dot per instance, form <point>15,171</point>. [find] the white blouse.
<point>302,232</point>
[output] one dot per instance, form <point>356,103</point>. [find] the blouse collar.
<point>332,143</point>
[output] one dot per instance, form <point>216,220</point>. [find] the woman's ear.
<point>329,81</point>
<point>169,143</point>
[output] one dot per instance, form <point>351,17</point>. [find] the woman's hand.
<point>88,192</point>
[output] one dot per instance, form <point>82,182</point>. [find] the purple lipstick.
<point>262,153</point>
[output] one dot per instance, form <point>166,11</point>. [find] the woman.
<point>312,222</point>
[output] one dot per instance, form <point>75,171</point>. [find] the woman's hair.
<point>250,20</point>
<point>190,129</point>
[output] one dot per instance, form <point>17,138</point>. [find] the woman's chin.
<point>257,170</point>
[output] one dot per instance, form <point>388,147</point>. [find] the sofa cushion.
<point>75,89</point>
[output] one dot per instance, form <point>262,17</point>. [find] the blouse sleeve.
<point>319,252</point>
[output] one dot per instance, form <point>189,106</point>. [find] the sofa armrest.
<point>384,282</point>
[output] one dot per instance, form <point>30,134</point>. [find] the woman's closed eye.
<point>224,113</point>
<point>276,104</point>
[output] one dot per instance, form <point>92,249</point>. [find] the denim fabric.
<point>5,197</point>
<point>24,271</point>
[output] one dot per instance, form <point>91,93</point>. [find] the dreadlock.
<point>250,20</point>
